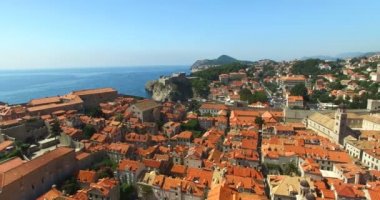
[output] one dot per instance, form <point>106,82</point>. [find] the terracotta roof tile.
<point>178,169</point>
<point>130,165</point>
<point>86,176</point>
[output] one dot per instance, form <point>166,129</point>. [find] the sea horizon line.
<point>87,67</point>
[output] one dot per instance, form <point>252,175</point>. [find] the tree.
<point>146,191</point>
<point>271,86</point>
<point>335,85</point>
<point>259,121</point>
<point>272,168</point>
<point>299,90</point>
<point>24,148</point>
<point>291,169</point>
<point>56,128</point>
<point>191,124</point>
<point>88,131</point>
<point>127,191</point>
<point>71,186</point>
<point>245,94</point>
<point>259,96</point>
<point>106,163</point>
<point>212,74</point>
<point>307,67</point>
<point>268,70</point>
<point>339,101</point>
<point>200,87</point>
<point>322,96</point>
<point>105,172</point>
<point>182,89</point>
<point>358,102</point>
<point>193,106</point>
<point>94,112</point>
<point>16,152</point>
<point>119,117</point>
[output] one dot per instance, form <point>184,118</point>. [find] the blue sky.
<point>82,33</point>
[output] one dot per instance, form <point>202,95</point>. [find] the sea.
<point>20,86</point>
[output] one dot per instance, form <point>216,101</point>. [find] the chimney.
<point>358,176</point>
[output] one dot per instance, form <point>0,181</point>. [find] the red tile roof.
<point>10,164</point>
<point>178,169</point>
<point>104,186</point>
<point>52,194</point>
<point>26,168</point>
<point>199,176</point>
<point>130,165</point>
<point>121,148</point>
<point>152,163</point>
<point>213,106</point>
<point>86,176</point>
<point>5,144</point>
<point>184,134</point>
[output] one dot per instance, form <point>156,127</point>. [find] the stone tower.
<point>340,123</point>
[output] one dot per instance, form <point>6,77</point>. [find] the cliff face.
<point>159,91</point>
<point>172,89</point>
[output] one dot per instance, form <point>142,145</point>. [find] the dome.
<point>304,183</point>
<point>310,197</point>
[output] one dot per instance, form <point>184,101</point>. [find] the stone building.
<point>288,82</point>
<point>45,106</point>
<point>371,122</point>
<point>294,102</point>
<point>211,108</point>
<point>336,129</point>
<point>373,105</point>
<point>11,112</point>
<point>146,110</point>
<point>93,97</point>
<point>24,129</point>
<point>129,171</point>
<point>290,188</point>
<point>104,189</point>
<point>33,178</point>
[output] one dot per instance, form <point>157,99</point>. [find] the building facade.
<point>33,178</point>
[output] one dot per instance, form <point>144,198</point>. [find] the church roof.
<point>323,120</point>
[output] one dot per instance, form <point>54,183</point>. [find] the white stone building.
<point>371,158</point>
<point>335,129</point>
